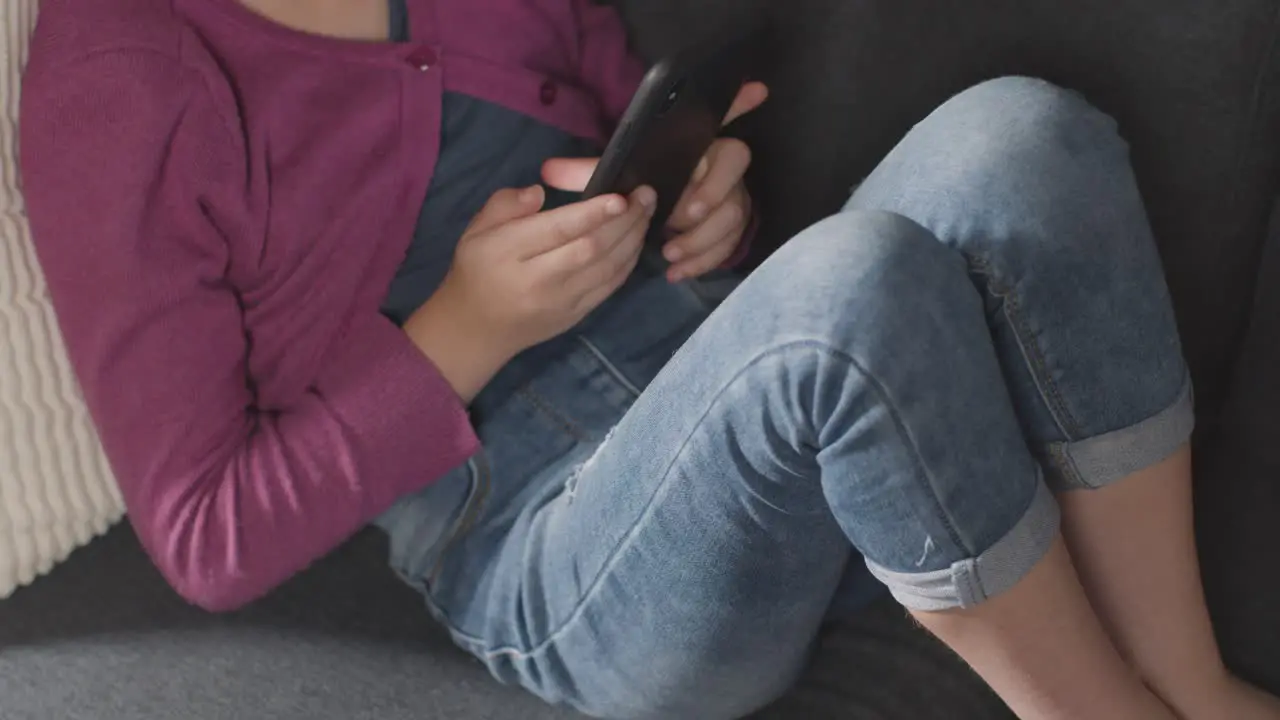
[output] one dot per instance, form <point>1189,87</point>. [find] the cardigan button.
<point>422,58</point>
<point>548,93</point>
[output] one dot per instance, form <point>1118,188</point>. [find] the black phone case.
<point>671,122</point>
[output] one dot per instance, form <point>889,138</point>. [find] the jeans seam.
<point>1066,465</point>
<point>609,367</point>
<point>580,606</point>
<point>479,466</point>
<point>546,408</point>
<point>1036,362</point>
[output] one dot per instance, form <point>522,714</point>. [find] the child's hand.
<point>713,214</point>
<point>714,211</point>
<point>520,277</point>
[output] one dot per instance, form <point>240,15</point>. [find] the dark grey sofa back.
<point>1194,84</point>
<point>1239,513</point>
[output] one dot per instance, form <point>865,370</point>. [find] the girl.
<point>309,279</point>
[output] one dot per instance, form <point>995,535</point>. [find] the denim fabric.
<point>484,147</point>
<point>664,506</point>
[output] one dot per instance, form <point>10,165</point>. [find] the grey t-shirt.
<point>483,148</point>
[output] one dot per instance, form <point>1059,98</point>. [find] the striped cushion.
<point>56,491</point>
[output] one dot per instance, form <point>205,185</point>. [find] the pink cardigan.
<point>219,204</point>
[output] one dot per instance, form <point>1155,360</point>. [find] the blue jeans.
<point>668,497</point>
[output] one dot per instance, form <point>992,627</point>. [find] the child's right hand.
<point>520,277</point>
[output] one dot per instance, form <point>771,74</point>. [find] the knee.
<point>1013,136</point>
<point>855,281</point>
<point>861,262</point>
<point>1011,159</point>
<point>1018,109</point>
<point>1014,124</point>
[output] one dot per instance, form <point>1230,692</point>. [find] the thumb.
<point>507,205</point>
<point>569,174</point>
<point>751,96</point>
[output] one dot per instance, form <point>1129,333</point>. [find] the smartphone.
<point>672,121</point>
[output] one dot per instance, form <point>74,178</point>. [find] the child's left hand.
<point>715,210</point>
<point>713,215</point>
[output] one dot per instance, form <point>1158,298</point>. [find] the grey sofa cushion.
<point>104,639</point>
<point>1192,83</point>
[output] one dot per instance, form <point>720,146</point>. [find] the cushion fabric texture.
<point>56,490</point>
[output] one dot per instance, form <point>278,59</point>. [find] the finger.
<point>505,206</point>
<point>700,265</point>
<point>604,273</point>
<point>573,174</point>
<point>551,230</point>
<point>592,300</point>
<point>588,248</point>
<point>605,279</point>
<point>584,274</point>
<point>643,201</point>
<point>700,172</point>
<point>728,161</point>
<point>726,223</point>
<point>751,96</point>
<point>679,219</point>
<point>570,174</point>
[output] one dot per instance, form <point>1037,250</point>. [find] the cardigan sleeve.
<point>119,151</point>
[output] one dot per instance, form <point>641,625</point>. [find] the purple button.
<point>422,58</point>
<point>548,92</point>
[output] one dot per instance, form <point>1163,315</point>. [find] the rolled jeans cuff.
<point>1100,460</point>
<point>970,582</point>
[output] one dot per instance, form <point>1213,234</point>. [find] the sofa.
<point>1195,86</point>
